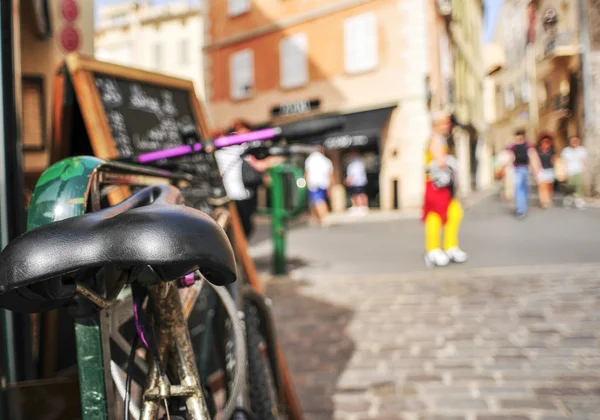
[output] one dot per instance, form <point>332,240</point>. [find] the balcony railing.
<point>563,43</point>
<point>558,103</point>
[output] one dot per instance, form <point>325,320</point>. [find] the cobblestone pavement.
<point>478,344</point>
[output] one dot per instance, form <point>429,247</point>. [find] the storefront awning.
<point>361,130</point>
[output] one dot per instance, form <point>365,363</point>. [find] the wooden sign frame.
<point>82,69</point>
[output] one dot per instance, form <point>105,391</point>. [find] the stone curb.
<point>441,274</point>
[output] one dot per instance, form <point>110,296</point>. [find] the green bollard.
<point>279,214</point>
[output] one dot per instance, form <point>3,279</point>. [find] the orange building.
<point>381,63</point>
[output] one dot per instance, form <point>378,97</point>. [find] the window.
<point>157,56</point>
<point>237,7</point>
<point>525,89</point>
<point>121,54</point>
<point>184,52</point>
<point>241,73</point>
<point>360,43</point>
<point>292,61</point>
<point>509,98</point>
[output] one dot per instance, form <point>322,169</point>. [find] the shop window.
<point>237,7</point>
<point>360,43</point>
<point>293,63</point>
<point>241,73</point>
<point>34,116</point>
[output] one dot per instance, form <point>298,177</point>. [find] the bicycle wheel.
<point>263,395</point>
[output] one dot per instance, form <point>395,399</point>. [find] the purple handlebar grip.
<point>166,153</point>
<point>264,134</point>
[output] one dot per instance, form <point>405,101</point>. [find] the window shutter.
<point>371,55</point>
<point>293,62</point>
<point>241,70</point>
<point>360,43</point>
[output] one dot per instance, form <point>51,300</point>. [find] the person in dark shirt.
<point>523,156</point>
<point>545,178</point>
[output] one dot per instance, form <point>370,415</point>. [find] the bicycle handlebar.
<point>289,131</point>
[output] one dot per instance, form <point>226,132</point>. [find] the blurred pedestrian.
<point>441,208</point>
<point>523,156</point>
<point>575,158</point>
<point>242,175</point>
<point>319,177</point>
<point>356,181</point>
<point>546,177</point>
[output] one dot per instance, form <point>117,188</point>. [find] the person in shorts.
<point>356,181</point>
<point>545,178</point>
<point>575,158</point>
<point>318,174</point>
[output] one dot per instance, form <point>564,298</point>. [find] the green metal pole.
<point>91,370</point>
<point>278,220</point>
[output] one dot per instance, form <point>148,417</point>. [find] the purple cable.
<point>138,325</point>
<point>264,134</point>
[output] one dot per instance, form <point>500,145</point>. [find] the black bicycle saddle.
<point>148,229</point>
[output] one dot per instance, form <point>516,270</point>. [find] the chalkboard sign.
<point>128,112</point>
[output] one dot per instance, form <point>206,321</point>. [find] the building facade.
<point>382,64</point>
<point>545,82</point>
<point>48,31</point>
<point>591,42</point>
<point>473,149</point>
<point>513,76</point>
<point>165,38</point>
<point>559,70</point>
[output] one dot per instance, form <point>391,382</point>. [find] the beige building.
<point>165,38</point>
<point>558,66</point>
<point>473,149</point>
<point>511,61</point>
<point>383,64</point>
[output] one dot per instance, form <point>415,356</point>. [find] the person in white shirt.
<point>318,173</point>
<point>356,181</point>
<point>230,161</point>
<point>574,158</point>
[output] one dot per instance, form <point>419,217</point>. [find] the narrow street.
<point>512,335</point>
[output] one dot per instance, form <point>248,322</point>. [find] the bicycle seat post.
<point>176,350</point>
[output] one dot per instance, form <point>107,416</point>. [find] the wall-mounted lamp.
<point>549,21</point>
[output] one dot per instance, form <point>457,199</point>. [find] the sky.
<point>492,8</point>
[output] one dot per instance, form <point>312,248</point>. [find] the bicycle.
<point>101,269</point>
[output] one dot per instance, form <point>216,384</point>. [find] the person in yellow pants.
<point>441,210</point>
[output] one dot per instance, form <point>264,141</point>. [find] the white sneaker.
<point>457,255</point>
<point>363,211</point>
<point>436,258</point>
<point>568,201</point>
<point>579,203</point>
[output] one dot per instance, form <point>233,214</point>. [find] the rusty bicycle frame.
<point>95,330</point>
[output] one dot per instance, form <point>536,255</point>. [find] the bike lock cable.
<point>128,378</point>
<point>115,372</point>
